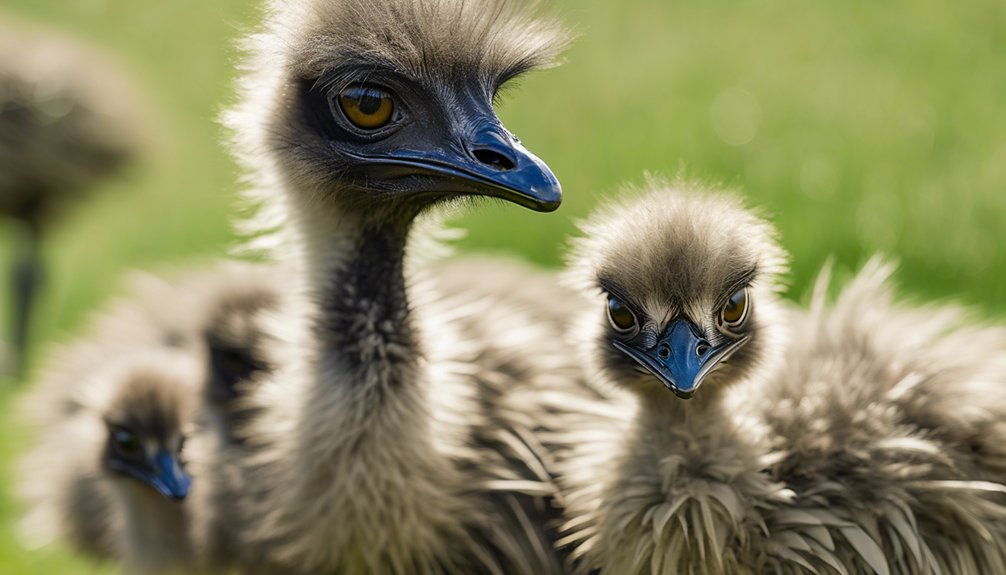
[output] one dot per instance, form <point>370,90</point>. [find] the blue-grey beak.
<point>682,358</point>
<point>490,162</point>
<point>168,477</point>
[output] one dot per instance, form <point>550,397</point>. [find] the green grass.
<point>858,126</point>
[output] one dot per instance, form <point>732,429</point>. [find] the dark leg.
<point>26,279</point>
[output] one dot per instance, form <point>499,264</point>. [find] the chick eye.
<point>735,313</point>
<point>366,107</point>
<point>620,316</point>
<point>126,443</point>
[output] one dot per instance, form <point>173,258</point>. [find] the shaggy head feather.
<point>154,398</point>
<point>492,41</point>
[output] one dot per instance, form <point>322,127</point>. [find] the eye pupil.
<point>620,316</point>
<point>730,313</point>
<point>126,442</point>
<point>734,313</point>
<point>369,104</point>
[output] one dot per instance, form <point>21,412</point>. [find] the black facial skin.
<point>440,142</point>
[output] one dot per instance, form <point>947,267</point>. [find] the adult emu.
<point>394,436</point>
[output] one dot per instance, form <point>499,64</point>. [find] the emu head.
<point>686,285</point>
<point>145,420</point>
<point>382,107</point>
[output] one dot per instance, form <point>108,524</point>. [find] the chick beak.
<point>168,476</point>
<point>681,358</point>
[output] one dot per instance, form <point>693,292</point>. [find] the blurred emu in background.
<point>67,121</point>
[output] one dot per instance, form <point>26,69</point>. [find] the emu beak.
<point>168,477</point>
<point>490,162</point>
<point>682,358</point>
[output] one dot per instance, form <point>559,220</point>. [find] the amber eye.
<point>620,316</point>
<point>126,443</point>
<point>367,108</point>
<point>735,313</point>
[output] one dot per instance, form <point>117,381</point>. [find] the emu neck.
<point>366,351</point>
<point>667,422</point>
<point>663,410</point>
<point>155,530</point>
<point>369,486</point>
<point>362,325</point>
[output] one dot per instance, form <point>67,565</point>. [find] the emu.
<point>109,478</point>
<point>67,122</point>
<point>744,453</point>
<point>392,438</point>
<point>206,320</point>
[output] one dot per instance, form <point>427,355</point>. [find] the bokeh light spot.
<point>736,116</point>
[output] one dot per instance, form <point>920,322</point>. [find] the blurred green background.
<point>858,126</point>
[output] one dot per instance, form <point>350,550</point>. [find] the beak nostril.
<point>494,159</point>
<point>663,352</point>
<point>701,349</point>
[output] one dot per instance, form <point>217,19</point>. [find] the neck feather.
<point>361,326</point>
<point>363,313</point>
<point>364,360</point>
<point>362,421</point>
<point>155,530</point>
<point>658,404</point>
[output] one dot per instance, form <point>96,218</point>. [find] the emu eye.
<point>126,443</point>
<point>735,313</point>
<point>367,108</point>
<point>620,316</point>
